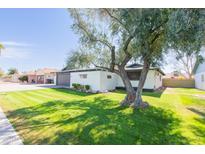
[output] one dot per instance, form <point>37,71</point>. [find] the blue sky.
<point>35,38</point>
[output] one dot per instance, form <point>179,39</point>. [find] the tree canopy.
<point>78,59</point>
<point>119,35</point>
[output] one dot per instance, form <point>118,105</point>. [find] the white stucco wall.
<point>198,81</point>
<point>93,79</point>
<point>198,75</point>
<point>158,79</point>
<point>96,79</point>
<point>150,83</point>
<point>105,83</point>
<point>99,82</point>
<point>201,68</point>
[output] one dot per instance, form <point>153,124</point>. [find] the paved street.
<point>6,87</point>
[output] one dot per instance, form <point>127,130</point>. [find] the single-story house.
<point>199,75</point>
<point>103,80</point>
<point>42,76</point>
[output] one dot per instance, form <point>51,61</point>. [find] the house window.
<point>133,75</point>
<point>202,78</point>
<point>109,77</point>
<point>160,78</point>
<point>83,76</point>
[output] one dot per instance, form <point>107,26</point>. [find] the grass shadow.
<point>198,112</point>
<point>157,93</point>
<point>199,130</point>
<point>96,121</point>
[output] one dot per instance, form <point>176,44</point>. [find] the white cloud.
<point>13,43</point>
<point>15,53</point>
<point>15,50</point>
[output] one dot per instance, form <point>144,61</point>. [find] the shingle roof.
<point>129,67</point>
<point>135,65</point>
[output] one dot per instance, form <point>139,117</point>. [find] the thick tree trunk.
<point>131,94</point>
<point>138,103</point>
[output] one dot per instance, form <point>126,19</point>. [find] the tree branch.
<point>106,68</point>
<point>83,26</point>
<point>115,18</point>
<point>159,26</point>
<point>125,49</point>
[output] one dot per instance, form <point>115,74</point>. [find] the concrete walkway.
<point>8,136</point>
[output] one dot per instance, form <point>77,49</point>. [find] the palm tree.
<point>1,47</point>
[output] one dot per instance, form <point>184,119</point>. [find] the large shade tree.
<point>163,29</point>
<point>143,34</point>
<point>108,38</point>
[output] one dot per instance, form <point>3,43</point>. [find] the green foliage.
<point>153,31</point>
<point>1,47</point>
<point>1,72</point>
<point>78,59</point>
<point>78,86</point>
<point>23,78</point>
<point>87,87</point>
<point>12,71</point>
<point>186,30</point>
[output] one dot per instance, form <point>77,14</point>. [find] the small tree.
<point>1,47</point>
<point>1,72</point>
<point>12,71</point>
<point>23,78</point>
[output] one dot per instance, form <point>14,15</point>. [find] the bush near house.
<point>87,87</point>
<point>23,78</point>
<point>80,87</point>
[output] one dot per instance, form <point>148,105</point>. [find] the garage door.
<point>63,78</point>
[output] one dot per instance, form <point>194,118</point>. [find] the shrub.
<point>87,87</point>
<point>81,87</point>
<point>23,78</point>
<point>76,86</point>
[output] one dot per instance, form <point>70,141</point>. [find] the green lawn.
<point>59,116</point>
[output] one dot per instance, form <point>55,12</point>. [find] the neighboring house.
<point>103,80</point>
<point>15,77</point>
<point>11,78</point>
<point>199,74</point>
<point>42,76</point>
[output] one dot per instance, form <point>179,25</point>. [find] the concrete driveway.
<point>7,87</point>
